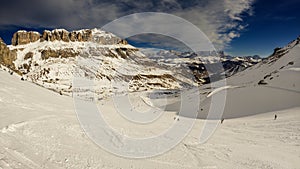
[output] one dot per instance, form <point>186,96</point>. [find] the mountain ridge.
<point>23,37</point>
<point>50,60</point>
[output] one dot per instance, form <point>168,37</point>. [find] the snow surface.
<point>39,129</point>
<point>219,89</point>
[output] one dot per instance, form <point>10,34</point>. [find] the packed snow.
<point>39,129</point>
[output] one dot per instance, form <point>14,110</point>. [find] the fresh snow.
<point>39,129</point>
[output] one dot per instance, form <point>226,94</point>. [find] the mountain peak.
<point>23,37</point>
<point>280,51</point>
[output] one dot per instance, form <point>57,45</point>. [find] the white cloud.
<point>233,35</point>
<point>220,20</point>
<point>216,18</point>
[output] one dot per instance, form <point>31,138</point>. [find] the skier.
<point>222,120</point>
<point>275,117</point>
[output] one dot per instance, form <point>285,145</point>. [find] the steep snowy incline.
<point>274,69</point>
<point>21,101</point>
<point>270,85</point>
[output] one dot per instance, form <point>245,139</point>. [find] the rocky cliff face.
<point>63,53</point>
<point>24,37</point>
<point>7,56</point>
<point>64,35</point>
<point>86,35</point>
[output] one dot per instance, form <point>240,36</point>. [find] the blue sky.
<point>239,27</point>
<point>273,24</point>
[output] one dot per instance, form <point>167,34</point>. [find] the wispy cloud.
<point>220,20</point>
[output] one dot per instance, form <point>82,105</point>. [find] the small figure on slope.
<point>222,120</point>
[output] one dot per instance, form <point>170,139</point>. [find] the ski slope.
<point>39,129</point>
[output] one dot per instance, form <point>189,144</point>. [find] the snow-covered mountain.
<point>270,85</point>
<point>54,58</point>
<point>197,61</point>
<point>271,69</point>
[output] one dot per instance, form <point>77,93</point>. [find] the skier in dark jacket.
<point>222,120</point>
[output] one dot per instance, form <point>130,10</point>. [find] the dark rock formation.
<point>6,56</point>
<point>262,82</point>
<point>28,55</point>
<point>123,42</point>
<point>46,54</point>
<point>85,35</point>
<point>63,35</point>
<point>24,37</point>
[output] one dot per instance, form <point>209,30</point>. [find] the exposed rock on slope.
<point>62,53</point>
<point>61,34</point>
<point>23,37</point>
<point>279,52</point>
<point>7,57</point>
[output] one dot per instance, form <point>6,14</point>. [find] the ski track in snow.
<point>217,90</point>
<point>297,69</point>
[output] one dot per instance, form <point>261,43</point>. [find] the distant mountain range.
<point>52,59</point>
<point>198,61</point>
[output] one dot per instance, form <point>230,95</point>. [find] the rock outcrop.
<point>281,51</point>
<point>64,35</point>
<point>66,53</point>
<point>123,42</point>
<point>7,57</point>
<point>24,37</point>
<point>85,35</point>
